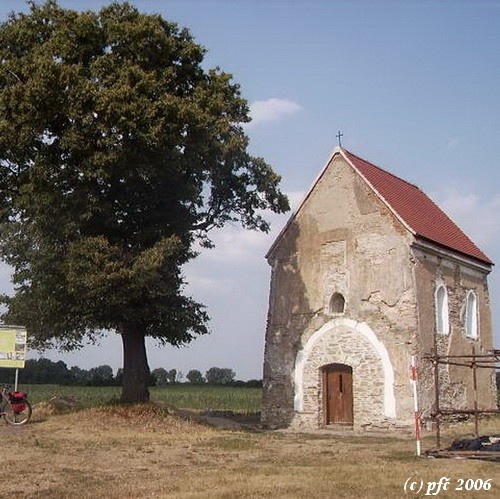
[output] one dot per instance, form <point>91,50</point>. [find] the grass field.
<point>142,451</point>
<point>197,398</point>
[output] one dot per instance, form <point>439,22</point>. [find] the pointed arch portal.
<point>361,334</point>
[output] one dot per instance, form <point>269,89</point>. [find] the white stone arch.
<point>378,347</point>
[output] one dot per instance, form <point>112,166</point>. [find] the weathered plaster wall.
<point>456,383</point>
<point>342,240</point>
<point>345,240</point>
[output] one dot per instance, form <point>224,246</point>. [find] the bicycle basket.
<point>18,407</point>
<point>18,401</point>
<point>17,397</point>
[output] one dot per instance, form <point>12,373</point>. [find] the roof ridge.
<point>411,206</point>
<point>382,169</point>
<point>429,221</point>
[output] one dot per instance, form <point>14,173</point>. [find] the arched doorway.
<point>337,394</point>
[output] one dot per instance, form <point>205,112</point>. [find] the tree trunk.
<point>135,364</point>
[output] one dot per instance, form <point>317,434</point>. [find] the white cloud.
<point>5,279</point>
<point>295,198</point>
<point>271,110</point>
<point>196,279</point>
<point>234,244</point>
<point>237,250</point>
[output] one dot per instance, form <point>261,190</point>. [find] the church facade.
<point>366,273</point>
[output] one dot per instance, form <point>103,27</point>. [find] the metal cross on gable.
<point>339,135</point>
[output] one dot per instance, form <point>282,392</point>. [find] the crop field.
<point>197,398</point>
<point>143,451</point>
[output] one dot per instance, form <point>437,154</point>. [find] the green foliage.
<point>220,376</point>
<point>162,377</point>
<point>38,371</point>
<point>118,152</point>
<point>172,376</point>
<point>195,377</point>
<point>101,375</point>
<point>159,376</point>
<point>44,371</point>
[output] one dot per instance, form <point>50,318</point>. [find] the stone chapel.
<point>366,273</point>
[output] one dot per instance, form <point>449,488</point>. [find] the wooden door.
<point>337,393</point>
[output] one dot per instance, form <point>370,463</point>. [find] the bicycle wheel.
<point>16,417</point>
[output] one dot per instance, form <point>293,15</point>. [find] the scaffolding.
<point>473,362</point>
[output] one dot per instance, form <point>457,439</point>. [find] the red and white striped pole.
<point>414,379</point>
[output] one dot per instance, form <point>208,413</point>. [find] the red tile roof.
<point>415,209</point>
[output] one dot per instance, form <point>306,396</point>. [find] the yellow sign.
<point>13,341</point>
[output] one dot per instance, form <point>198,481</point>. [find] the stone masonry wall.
<point>346,346</point>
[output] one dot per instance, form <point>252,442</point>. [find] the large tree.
<point>118,152</point>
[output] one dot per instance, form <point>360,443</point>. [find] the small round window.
<point>337,304</point>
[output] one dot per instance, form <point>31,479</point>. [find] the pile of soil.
<point>58,405</point>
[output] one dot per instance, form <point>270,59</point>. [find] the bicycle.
<point>15,407</point>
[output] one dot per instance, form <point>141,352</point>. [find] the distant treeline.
<point>45,371</point>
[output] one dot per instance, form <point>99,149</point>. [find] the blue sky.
<point>414,87</point>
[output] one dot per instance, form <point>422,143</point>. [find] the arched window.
<point>337,304</point>
<point>471,315</point>
<point>442,321</point>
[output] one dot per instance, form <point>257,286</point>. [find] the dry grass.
<point>140,451</point>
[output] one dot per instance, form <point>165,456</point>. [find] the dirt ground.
<point>140,451</point>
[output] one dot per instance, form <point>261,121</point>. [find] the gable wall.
<point>342,240</point>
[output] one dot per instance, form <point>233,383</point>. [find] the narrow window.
<point>471,315</point>
<point>337,304</point>
<point>442,320</point>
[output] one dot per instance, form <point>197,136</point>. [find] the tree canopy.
<point>220,375</point>
<point>195,377</point>
<point>118,151</point>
